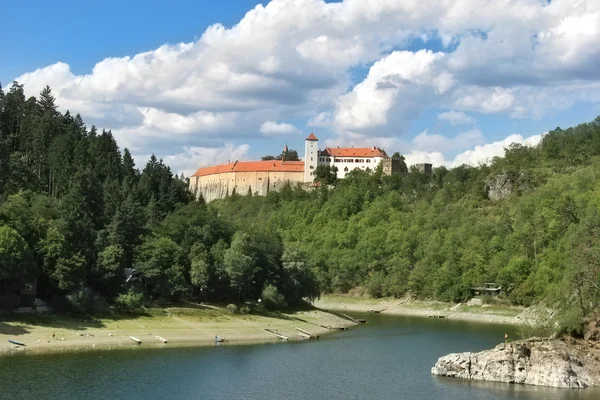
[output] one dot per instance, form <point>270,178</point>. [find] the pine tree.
<point>47,102</point>
<point>130,172</point>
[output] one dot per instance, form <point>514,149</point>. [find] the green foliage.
<point>130,302</point>
<point>160,262</point>
<point>239,261</point>
<point>16,266</point>
<point>232,308</point>
<point>326,174</point>
<point>272,299</point>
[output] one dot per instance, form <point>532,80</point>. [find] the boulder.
<point>535,361</point>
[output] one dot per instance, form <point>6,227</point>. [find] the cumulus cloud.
<point>272,128</point>
<point>430,142</point>
<point>191,158</point>
<point>290,58</point>
<point>388,82</point>
<point>456,118</point>
<point>481,154</point>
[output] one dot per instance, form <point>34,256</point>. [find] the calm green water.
<point>387,358</point>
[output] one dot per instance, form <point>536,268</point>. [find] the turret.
<point>311,154</point>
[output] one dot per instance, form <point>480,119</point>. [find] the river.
<point>390,357</point>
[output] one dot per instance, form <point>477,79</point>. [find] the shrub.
<point>272,299</point>
<point>245,310</point>
<point>232,308</point>
<point>129,302</point>
<point>85,301</point>
<point>376,285</point>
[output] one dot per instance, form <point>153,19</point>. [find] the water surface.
<point>387,358</point>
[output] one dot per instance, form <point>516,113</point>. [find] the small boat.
<point>16,342</point>
<point>138,341</point>
<point>219,339</point>
<point>162,339</point>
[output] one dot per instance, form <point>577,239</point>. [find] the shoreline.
<point>505,315</point>
<point>181,327</point>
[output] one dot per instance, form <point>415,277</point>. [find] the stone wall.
<point>219,186</point>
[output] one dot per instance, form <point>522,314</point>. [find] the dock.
<point>138,341</point>
<point>280,336</point>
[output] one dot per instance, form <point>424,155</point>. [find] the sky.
<point>202,82</point>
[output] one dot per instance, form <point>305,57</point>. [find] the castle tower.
<point>311,156</point>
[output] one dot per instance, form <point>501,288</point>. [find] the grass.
<point>492,309</point>
<point>353,299</point>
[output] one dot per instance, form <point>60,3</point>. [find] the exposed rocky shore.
<point>535,361</point>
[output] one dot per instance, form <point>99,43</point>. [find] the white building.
<point>345,159</point>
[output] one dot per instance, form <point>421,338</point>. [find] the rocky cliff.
<point>535,361</point>
<point>499,187</point>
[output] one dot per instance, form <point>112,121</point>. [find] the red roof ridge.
<point>355,152</point>
<point>252,166</point>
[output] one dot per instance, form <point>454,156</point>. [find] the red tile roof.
<point>354,152</point>
<point>253,166</point>
<point>311,137</point>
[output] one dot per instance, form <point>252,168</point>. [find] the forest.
<point>78,218</point>
<point>84,225</point>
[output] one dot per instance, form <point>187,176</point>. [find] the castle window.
<point>346,169</point>
<point>329,159</point>
<point>311,167</point>
<point>357,160</point>
<point>260,179</point>
<point>368,161</point>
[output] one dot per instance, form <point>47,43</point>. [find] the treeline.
<point>438,235</point>
<point>81,224</point>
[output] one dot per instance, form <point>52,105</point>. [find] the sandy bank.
<point>464,312</point>
<point>179,326</point>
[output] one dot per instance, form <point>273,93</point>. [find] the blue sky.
<point>445,84</point>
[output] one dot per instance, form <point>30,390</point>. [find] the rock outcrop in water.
<point>535,361</point>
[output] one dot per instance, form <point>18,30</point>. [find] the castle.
<point>260,177</point>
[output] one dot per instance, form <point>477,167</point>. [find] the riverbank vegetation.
<point>78,218</point>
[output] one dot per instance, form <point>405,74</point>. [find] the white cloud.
<point>484,99</point>
<point>394,78</point>
<point>272,128</point>
<point>522,58</point>
<point>481,154</point>
<point>456,118</point>
<point>194,157</point>
<point>430,142</point>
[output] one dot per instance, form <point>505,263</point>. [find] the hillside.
<point>77,217</point>
<point>436,236</point>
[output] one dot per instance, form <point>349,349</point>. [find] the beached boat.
<point>219,339</point>
<point>16,342</point>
